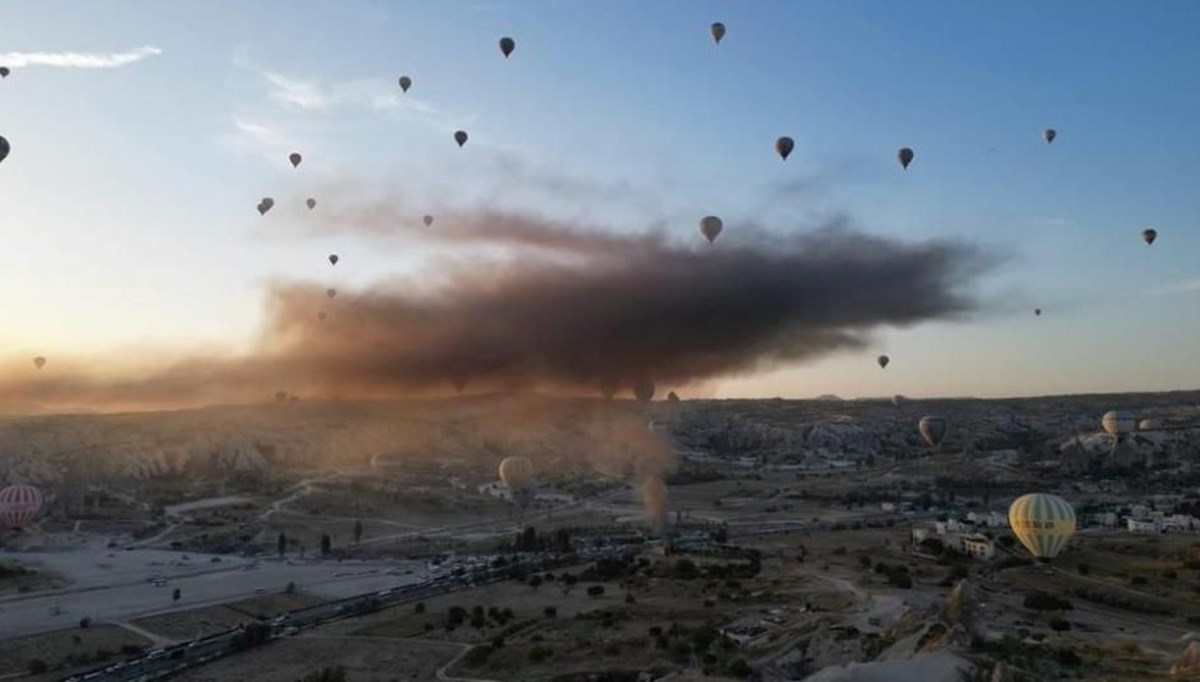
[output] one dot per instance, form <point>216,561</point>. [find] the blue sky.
<point>128,201</point>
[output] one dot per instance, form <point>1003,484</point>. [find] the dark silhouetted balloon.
<point>460,381</point>
<point>405,83</point>
<point>933,429</point>
<point>310,203</point>
<point>331,292</point>
<point>460,136</point>
<point>333,259</point>
<point>265,205</point>
<point>294,158</point>
<point>784,146</point>
<point>718,31</point>
<point>280,396</point>
<point>39,362</point>
<point>643,390</point>
<point>428,220</point>
<point>4,72</point>
<point>4,148</point>
<point>1148,236</point>
<point>710,227</point>
<point>507,45</point>
<point>1049,134</point>
<point>672,397</point>
<point>883,361</point>
<point>321,316</point>
<point>905,156</point>
<point>1037,311</point>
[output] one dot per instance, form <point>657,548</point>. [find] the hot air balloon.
<point>1149,425</point>
<point>19,504</point>
<point>784,146</point>
<point>460,136</point>
<point>310,203</point>
<point>1037,311</point>
<point>265,205</point>
<point>280,396</point>
<point>905,156</point>
<point>710,227</point>
<point>1148,236</point>
<point>294,158</point>
<point>1043,523</point>
<point>672,397</point>
<point>39,362</point>
<point>517,473</point>
<point>428,220</point>
<point>321,315</point>
<point>4,148</point>
<point>331,292</point>
<point>4,72</point>
<point>718,31</point>
<point>460,381</point>
<point>405,83</point>
<point>898,400</point>
<point>883,361</point>
<point>333,259</point>
<point>507,45</point>
<point>643,390</point>
<point>933,429</point>
<point>1049,134</point>
<point>1117,422</point>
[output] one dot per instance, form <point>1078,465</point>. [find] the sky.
<point>144,134</point>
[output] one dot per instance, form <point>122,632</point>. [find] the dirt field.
<point>68,650</point>
<point>365,660</point>
<point>195,623</point>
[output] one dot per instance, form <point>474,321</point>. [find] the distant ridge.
<point>829,397</point>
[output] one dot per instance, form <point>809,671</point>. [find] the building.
<point>496,489</point>
<point>1142,525</point>
<point>978,546</point>
<point>1178,522</point>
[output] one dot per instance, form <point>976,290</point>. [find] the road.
<point>128,599</point>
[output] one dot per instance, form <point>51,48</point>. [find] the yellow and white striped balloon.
<point>1043,523</point>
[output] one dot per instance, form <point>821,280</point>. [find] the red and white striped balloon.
<point>19,504</point>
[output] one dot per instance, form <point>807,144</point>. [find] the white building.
<point>1178,522</point>
<point>950,526</point>
<point>888,506</point>
<point>1142,525</point>
<point>496,489</point>
<point>978,546</point>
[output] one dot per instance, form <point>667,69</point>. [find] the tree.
<point>595,591</point>
<point>535,581</point>
<point>357,530</point>
<point>550,612</point>
<point>326,544</point>
<point>84,622</point>
<point>419,608</point>
<point>176,595</point>
<point>281,544</point>
<point>290,589</point>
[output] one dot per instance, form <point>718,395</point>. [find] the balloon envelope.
<point>905,156</point>
<point>460,381</point>
<point>883,361</point>
<point>333,259</point>
<point>428,220</point>
<point>784,146</point>
<point>710,227</point>
<point>644,390</point>
<point>265,205</point>
<point>1148,236</point>
<point>1117,422</point>
<point>310,203</point>
<point>933,429</point>
<point>321,315</point>
<point>460,136</point>
<point>294,158</point>
<point>405,83</point>
<point>39,362</point>
<point>507,45</point>
<point>331,292</point>
<point>19,504</point>
<point>1037,311</point>
<point>1049,134</point>
<point>718,31</point>
<point>1042,522</point>
<point>516,472</point>
<point>4,148</point>
<point>1149,425</point>
<point>4,72</point>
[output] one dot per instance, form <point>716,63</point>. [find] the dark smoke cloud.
<point>567,309</point>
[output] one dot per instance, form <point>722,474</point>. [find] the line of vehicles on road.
<point>449,575</point>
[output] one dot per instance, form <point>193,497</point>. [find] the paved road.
<point>128,600</point>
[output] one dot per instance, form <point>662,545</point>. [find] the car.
<point>156,654</point>
<point>291,631</point>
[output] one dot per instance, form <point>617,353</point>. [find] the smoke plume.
<point>565,310</point>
